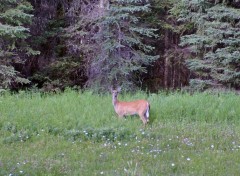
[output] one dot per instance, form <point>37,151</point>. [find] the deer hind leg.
<point>142,116</point>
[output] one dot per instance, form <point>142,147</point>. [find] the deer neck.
<point>114,101</point>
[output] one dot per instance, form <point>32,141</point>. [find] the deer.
<point>138,107</point>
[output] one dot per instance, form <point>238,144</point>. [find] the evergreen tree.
<point>215,45</point>
<point>14,18</point>
<point>111,38</point>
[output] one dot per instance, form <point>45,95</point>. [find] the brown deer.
<point>123,108</point>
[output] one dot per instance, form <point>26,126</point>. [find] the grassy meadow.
<point>75,133</point>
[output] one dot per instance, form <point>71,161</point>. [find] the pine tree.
<point>215,46</point>
<point>112,40</point>
<point>14,18</point>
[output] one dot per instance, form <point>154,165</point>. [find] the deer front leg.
<point>120,115</point>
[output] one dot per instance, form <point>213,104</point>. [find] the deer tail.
<point>147,111</point>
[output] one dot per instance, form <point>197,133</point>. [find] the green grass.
<point>79,134</point>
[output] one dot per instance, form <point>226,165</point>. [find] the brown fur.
<point>139,107</point>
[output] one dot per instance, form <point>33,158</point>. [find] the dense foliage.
<point>100,43</point>
<point>110,37</point>
<point>215,45</point>
<point>15,18</point>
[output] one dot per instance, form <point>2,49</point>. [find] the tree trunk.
<point>166,72</point>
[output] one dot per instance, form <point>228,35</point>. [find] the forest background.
<point>170,44</point>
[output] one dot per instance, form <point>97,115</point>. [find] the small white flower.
<point>212,146</point>
<point>21,172</point>
<point>101,173</point>
<point>173,164</point>
<point>188,159</point>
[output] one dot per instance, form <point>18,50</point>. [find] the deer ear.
<point>119,89</point>
<point>110,88</point>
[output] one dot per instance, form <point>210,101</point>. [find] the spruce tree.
<point>14,18</point>
<point>112,41</point>
<point>215,45</point>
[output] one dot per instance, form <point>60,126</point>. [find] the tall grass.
<point>75,133</point>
